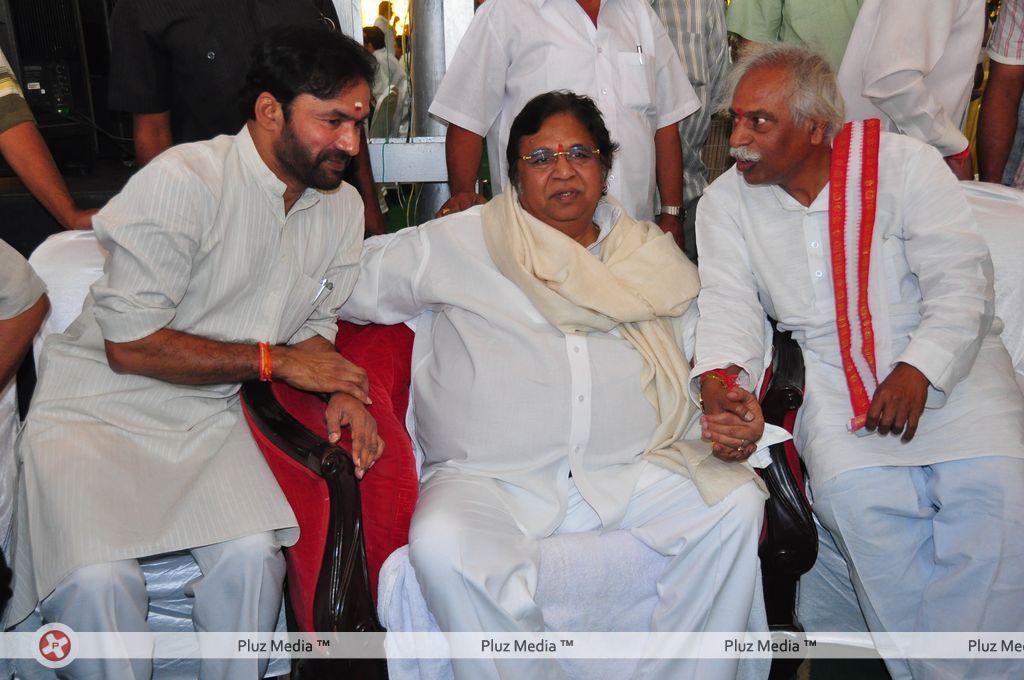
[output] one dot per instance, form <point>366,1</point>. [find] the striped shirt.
<point>697,29</point>
<point>1006,44</point>
<point>13,109</point>
<point>118,465</point>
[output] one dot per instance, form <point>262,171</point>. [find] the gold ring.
<point>445,211</point>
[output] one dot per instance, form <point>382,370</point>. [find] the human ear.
<point>818,131</point>
<point>269,113</point>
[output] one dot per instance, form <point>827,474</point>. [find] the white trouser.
<point>240,590</point>
<point>478,571</point>
<point>934,548</point>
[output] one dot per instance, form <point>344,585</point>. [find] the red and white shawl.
<point>853,194</point>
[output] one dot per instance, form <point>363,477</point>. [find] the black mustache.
<point>334,156</point>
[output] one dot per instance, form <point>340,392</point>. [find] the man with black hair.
<point>383,22</point>
<point>391,76</point>
<point>177,67</point>
<point>228,260</point>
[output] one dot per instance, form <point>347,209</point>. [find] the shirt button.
<point>611,176</point>
<point>600,50</point>
<point>211,55</point>
<point>577,449</point>
<point>576,349</point>
<point>579,398</point>
<point>604,90</point>
<point>814,244</point>
<point>818,273</point>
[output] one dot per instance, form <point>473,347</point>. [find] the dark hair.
<point>373,36</point>
<point>298,60</point>
<point>542,107</point>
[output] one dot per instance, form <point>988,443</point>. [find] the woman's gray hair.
<point>815,93</point>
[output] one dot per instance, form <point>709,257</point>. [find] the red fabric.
<point>307,494</point>
<point>389,489</point>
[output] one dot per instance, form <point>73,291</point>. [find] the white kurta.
<point>497,390</point>
<point>911,63</point>
<point>122,466</point>
<point>390,76</point>
<point>761,251</point>
<point>20,288</point>
<point>515,50</point>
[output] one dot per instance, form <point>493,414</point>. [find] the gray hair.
<point>815,93</point>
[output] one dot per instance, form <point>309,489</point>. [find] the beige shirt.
<point>123,466</point>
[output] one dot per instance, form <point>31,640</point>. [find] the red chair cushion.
<point>388,491</point>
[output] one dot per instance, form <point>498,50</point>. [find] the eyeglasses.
<point>577,154</point>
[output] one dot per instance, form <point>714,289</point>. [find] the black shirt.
<point>190,57</point>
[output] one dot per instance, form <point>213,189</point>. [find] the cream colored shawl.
<point>638,285</point>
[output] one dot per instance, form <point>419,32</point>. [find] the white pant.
<point>478,570</point>
<point>240,590</point>
<point>934,548</point>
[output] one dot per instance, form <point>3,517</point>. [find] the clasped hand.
<point>732,421</point>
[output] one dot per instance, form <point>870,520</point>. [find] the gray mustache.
<point>743,153</point>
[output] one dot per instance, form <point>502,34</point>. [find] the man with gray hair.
<point>863,245</point>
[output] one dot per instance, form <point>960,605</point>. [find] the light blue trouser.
<point>240,590</point>
<point>934,548</point>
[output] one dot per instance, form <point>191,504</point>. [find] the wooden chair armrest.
<point>342,601</point>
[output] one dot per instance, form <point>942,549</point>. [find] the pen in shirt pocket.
<point>640,54</point>
<point>325,287</point>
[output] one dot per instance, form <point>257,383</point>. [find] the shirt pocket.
<point>636,79</point>
<point>306,295</point>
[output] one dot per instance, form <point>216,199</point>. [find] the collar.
<point>265,178</point>
<point>541,3</point>
<point>790,204</point>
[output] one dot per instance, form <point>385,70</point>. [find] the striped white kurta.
<point>124,466</point>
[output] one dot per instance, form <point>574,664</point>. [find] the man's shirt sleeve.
<point>953,267</point>
<point>675,98</point>
<point>472,92</point>
<point>20,287</point>
<point>731,327</point>
<point>13,108</point>
<point>140,68</point>
<point>897,62</point>
<point>152,230</point>
<point>756,20</point>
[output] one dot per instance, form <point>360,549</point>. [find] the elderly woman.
<point>549,396</point>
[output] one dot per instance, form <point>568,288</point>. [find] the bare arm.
<point>363,176</point>
<point>668,162</point>
<point>25,151</point>
<point>462,150</point>
<point>998,123</point>
<point>152,133</point>
<point>185,359</point>
<point>16,337</point>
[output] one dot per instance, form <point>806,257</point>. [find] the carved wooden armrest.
<point>342,600</point>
